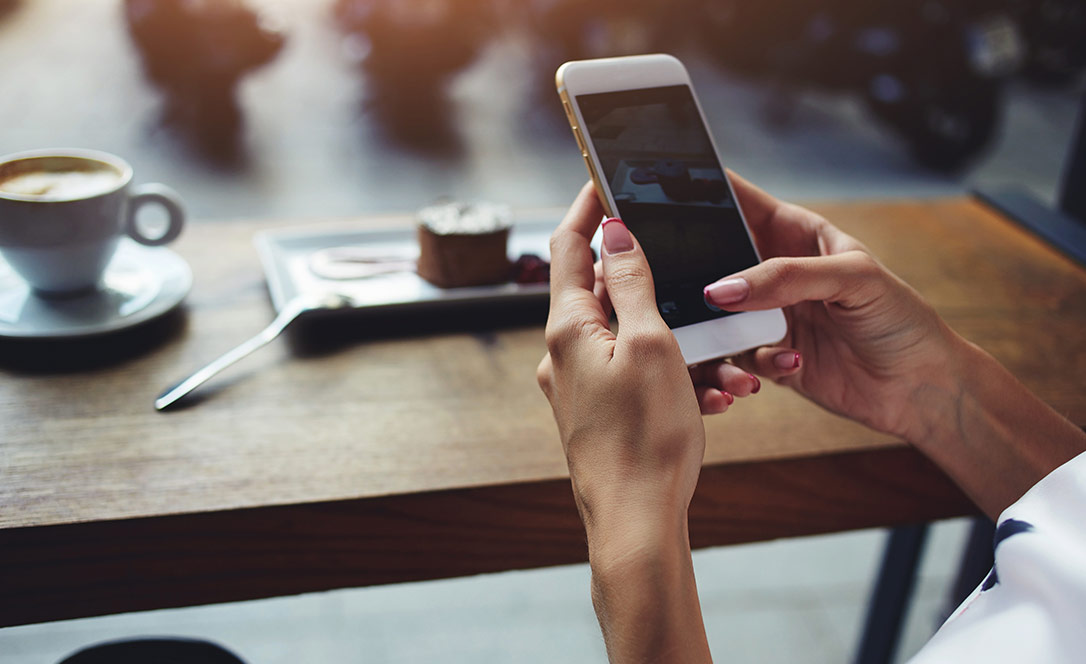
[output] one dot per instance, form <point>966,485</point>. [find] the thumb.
<point>628,279</point>
<point>850,279</point>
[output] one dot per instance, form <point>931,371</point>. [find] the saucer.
<point>140,283</point>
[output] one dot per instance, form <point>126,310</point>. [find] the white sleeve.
<point>1032,606</point>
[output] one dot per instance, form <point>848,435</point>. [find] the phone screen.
<point>670,191</point>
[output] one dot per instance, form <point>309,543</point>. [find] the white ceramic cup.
<point>63,211</point>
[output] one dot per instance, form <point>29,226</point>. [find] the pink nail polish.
<point>616,237</point>
<point>757,383</point>
<point>728,397</point>
<point>788,360</point>
<point>727,291</point>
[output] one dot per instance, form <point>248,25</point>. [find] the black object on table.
<point>1064,228</point>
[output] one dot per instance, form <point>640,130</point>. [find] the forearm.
<point>988,432</point>
<point>645,596</point>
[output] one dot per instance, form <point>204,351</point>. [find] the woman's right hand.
<point>861,342</point>
<point>864,344</point>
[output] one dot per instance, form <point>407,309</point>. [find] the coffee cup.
<point>63,212</point>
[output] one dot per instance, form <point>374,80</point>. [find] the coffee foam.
<point>60,185</point>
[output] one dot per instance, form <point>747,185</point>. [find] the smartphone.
<point>648,149</point>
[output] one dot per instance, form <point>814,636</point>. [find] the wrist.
<point>632,509</point>
<point>989,433</point>
<point>637,541</point>
<point>936,400</point>
<point>645,594</point>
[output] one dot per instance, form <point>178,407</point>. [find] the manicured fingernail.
<point>727,291</point>
<point>757,383</point>
<point>728,397</point>
<point>787,360</point>
<point>616,237</point>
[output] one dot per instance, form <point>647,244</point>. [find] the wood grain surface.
<point>374,450</point>
<point>57,572</point>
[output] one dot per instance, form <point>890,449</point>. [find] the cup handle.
<point>168,199</point>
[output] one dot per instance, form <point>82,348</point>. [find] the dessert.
<point>464,244</point>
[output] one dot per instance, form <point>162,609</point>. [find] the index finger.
<point>571,255</point>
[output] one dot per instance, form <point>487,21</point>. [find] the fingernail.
<point>787,360</point>
<point>727,291</point>
<point>728,397</point>
<point>757,383</point>
<point>616,237</point>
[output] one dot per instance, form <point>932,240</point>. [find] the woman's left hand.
<point>628,416</point>
<point>627,410</point>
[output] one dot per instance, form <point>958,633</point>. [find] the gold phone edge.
<point>567,107</point>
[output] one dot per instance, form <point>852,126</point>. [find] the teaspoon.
<point>290,312</point>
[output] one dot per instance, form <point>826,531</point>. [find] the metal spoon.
<point>291,311</point>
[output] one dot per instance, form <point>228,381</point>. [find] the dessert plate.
<point>140,283</point>
<point>375,268</point>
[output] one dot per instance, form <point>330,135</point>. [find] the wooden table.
<point>412,450</point>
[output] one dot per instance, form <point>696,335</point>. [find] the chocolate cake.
<point>464,245</point>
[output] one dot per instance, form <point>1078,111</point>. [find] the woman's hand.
<point>628,417</point>
<point>626,409</point>
<point>864,344</point>
<point>860,341</point>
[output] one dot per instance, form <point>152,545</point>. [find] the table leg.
<point>890,597</point>
<point>977,560</point>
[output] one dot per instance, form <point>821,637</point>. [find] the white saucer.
<point>140,283</point>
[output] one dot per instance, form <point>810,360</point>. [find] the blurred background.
<point>306,108</point>
<point>313,109</point>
